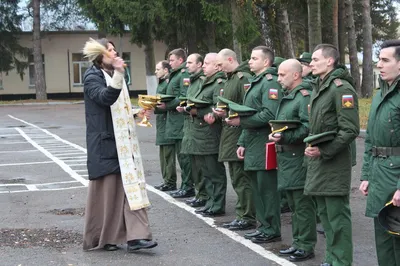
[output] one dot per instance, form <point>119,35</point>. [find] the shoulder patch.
<point>246,86</point>
<point>273,94</point>
<point>239,74</point>
<point>268,76</point>
<point>304,92</point>
<point>338,82</point>
<point>347,101</point>
<point>219,80</point>
<point>186,81</point>
<point>183,70</point>
<point>202,77</point>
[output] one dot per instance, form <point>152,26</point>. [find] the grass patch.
<point>134,101</point>
<point>364,106</point>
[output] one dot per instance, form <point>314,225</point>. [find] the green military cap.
<point>223,103</point>
<point>282,125</point>
<point>278,60</point>
<point>314,140</point>
<point>166,98</point>
<point>198,103</point>
<point>240,110</point>
<point>389,218</point>
<point>305,57</point>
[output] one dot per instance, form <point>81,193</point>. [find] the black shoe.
<point>252,234</point>
<point>110,247</point>
<point>285,209</point>
<point>188,201</point>
<point>134,245</point>
<point>301,255</point>
<point>263,238</point>
<point>201,210</point>
<point>166,187</point>
<point>213,213</point>
<point>183,193</point>
<point>288,251</point>
<point>197,203</point>
<point>242,225</point>
<point>233,223</point>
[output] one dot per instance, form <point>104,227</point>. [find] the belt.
<point>226,125</point>
<point>385,151</point>
<point>283,148</point>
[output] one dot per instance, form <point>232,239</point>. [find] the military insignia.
<point>186,81</point>
<point>338,82</point>
<point>240,75</point>
<point>219,80</point>
<point>167,80</point>
<point>183,70</point>
<point>221,92</point>
<point>347,101</point>
<point>268,76</point>
<point>273,94</point>
<point>304,92</point>
<point>246,86</point>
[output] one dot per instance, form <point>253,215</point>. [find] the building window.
<point>1,81</point>
<point>127,58</point>
<point>32,71</point>
<point>79,65</point>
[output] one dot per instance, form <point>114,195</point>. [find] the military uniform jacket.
<point>234,90</point>
<point>194,87</point>
<point>263,95</point>
<point>383,173</point>
<point>161,116</point>
<point>200,137</point>
<point>293,106</point>
<point>177,87</point>
<point>334,107</point>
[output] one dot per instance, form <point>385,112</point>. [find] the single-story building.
<point>64,65</point>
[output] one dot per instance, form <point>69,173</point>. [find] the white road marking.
<point>42,189</point>
<point>39,184</point>
<point>32,187</point>
<point>15,164</point>
<point>16,142</point>
<point>62,164</point>
<point>5,136</point>
<point>19,151</point>
<point>211,222</point>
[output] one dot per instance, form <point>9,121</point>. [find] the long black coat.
<point>102,157</point>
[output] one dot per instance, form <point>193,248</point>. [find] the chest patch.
<point>273,94</point>
<point>246,87</point>
<point>186,81</point>
<point>347,101</point>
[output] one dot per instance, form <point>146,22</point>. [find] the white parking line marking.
<point>32,187</point>
<point>15,164</point>
<point>62,164</point>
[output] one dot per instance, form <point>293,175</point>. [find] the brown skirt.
<point>108,218</point>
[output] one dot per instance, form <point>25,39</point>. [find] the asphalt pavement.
<point>43,186</point>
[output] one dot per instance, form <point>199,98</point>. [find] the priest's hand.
<point>145,113</point>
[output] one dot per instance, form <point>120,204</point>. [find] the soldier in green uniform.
<point>305,60</point>
<point>263,95</point>
<point>203,139</point>
<point>234,89</point>
<point>178,83</point>
<point>381,165</point>
<point>194,65</point>
<point>290,151</point>
<point>333,107</point>
<point>167,146</point>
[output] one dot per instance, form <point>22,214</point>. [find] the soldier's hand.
<point>276,137</point>
<point>396,198</point>
<point>193,111</point>
<point>364,188</point>
<point>180,109</point>
<point>240,153</point>
<point>161,106</point>
<point>219,112</point>
<point>233,121</point>
<point>209,118</point>
<point>312,152</point>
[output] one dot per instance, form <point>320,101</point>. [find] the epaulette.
<point>203,77</point>
<point>183,70</point>
<point>268,76</point>
<point>219,80</point>
<point>167,80</point>
<point>304,92</point>
<point>240,75</point>
<point>338,82</point>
